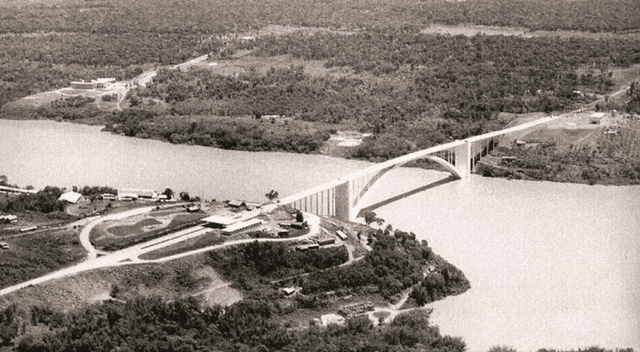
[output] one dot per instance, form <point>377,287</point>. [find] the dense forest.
<point>151,324</point>
<point>198,16</point>
<point>410,90</point>
<point>43,46</point>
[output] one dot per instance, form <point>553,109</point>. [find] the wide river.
<point>551,265</point>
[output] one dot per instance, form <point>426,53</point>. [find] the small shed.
<point>193,208</point>
<point>299,225</point>
<point>288,291</point>
<point>596,117</point>
<point>8,219</point>
<point>236,203</point>
<point>306,247</point>
<point>341,235</point>
<point>325,240</point>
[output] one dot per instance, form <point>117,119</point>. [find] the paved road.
<point>129,256</point>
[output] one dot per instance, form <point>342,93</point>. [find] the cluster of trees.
<point>633,105</point>
<point>45,201</point>
<point>395,264</point>
<point>236,134</point>
<point>447,281</point>
<point>89,191</point>
<point>39,254</point>
<point>150,324</point>
<point>273,260</point>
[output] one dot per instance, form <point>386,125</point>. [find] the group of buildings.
<point>95,83</point>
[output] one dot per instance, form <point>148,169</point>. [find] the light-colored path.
<point>86,231</point>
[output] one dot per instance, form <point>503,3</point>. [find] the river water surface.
<point>551,265</point>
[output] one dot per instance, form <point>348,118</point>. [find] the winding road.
<point>130,255</point>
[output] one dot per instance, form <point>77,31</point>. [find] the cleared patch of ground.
<point>179,278</point>
<point>138,227</point>
<point>471,30</point>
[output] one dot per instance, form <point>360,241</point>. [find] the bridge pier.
<point>343,198</point>
<point>463,159</point>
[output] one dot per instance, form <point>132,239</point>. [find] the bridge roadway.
<point>342,198</point>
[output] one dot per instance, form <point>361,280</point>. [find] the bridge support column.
<point>343,199</point>
<point>463,159</point>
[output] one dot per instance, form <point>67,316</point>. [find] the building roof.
<point>242,225</point>
<point>220,220</point>
<point>19,190</point>
<point>235,203</point>
<point>139,192</point>
<point>71,197</point>
<point>598,114</point>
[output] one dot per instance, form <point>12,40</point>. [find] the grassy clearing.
<point>102,239</point>
<point>35,255</point>
<point>134,229</point>
<point>178,278</point>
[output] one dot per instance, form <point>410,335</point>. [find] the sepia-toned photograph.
<point>319,176</point>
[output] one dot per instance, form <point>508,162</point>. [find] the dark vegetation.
<point>150,324</point>
<point>443,87</point>
<point>34,255</point>
<point>412,91</point>
<point>395,264</point>
<point>245,263</point>
<point>45,201</point>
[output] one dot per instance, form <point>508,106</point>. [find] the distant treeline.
<point>199,17</point>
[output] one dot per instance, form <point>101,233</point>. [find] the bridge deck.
<point>366,177</point>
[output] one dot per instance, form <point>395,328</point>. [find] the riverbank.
<point>582,147</point>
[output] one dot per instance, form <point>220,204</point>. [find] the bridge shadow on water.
<point>405,195</point>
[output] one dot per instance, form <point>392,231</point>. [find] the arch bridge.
<point>342,198</point>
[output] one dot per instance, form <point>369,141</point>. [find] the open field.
<point>181,277</point>
<point>115,235</point>
<point>36,254</point>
